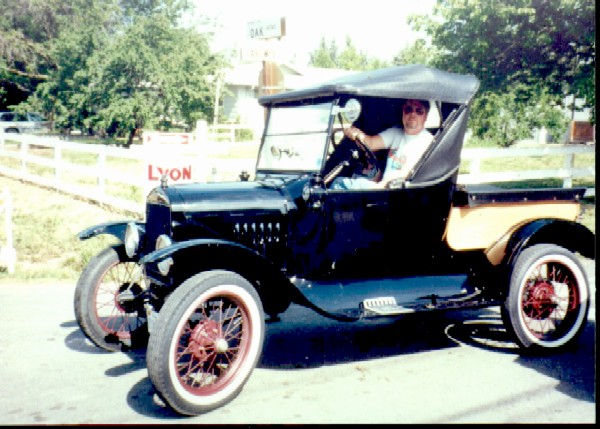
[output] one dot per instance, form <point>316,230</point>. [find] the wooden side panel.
<point>472,228</point>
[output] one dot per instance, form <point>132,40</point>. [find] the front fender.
<point>570,235</point>
<point>116,229</point>
<point>193,256</point>
<point>166,252</point>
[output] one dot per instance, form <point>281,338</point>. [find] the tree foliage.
<point>350,58</point>
<point>420,52</point>
<point>546,45</point>
<point>27,28</point>
<point>114,66</point>
<point>503,118</point>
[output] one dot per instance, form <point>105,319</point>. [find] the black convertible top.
<point>408,81</point>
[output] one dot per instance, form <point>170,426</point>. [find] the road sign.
<point>267,28</point>
<point>167,138</point>
<point>260,50</point>
<point>175,155</point>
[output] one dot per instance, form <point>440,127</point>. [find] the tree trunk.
<point>130,138</point>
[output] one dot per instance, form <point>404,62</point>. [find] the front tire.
<point>206,341</point>
<point>108,302</point>
<point>548,299</point>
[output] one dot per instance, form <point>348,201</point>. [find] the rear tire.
<point>206,341</point>
<point>548,299</point>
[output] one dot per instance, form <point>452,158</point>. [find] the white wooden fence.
<point>46,162</point>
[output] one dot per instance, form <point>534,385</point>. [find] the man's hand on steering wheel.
<point>359,137</point>
<point>355,135</point>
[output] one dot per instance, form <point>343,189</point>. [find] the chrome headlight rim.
<point>132,239</point>
<point>163,241</point>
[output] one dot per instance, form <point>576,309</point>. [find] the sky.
<point>376,27</point>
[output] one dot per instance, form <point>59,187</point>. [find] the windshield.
<point>295,138</point>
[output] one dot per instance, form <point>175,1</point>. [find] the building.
<point>242,89</point>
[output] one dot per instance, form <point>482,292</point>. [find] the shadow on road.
<point>303,339</point>
<point>574,366</point>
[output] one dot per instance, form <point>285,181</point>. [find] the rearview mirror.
<point>350,111</point>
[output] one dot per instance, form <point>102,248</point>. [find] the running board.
<point>383,306</point>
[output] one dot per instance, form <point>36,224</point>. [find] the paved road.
<point>455,368</point>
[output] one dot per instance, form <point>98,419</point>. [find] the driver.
<point>406,146</point>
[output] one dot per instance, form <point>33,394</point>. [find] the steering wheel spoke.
<point>350,158</point>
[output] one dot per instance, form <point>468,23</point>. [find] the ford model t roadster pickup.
<point>196,280</point>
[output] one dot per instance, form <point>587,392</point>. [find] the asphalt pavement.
<point>457,367</point>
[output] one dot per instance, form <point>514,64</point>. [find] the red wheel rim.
<point>213,344</point>
<point>551,301</point>
<point>112,316</point>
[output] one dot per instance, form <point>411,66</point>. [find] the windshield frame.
<point>318,154</point>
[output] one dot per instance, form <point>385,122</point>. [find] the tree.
<point>64,94</point>
<point>548,45</point>
<point>153,71</point>
<point>417,53</point>
<point>325,56</point>
<point>27,28</point>
<point>120,65</point>
<point>350,58</point>
<point>503,118</point>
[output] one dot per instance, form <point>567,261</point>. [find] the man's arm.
<point>372,142</point>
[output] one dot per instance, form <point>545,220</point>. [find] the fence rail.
<point>567,173</point>
<point>114,176</point>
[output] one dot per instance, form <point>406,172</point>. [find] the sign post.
<point>271,79</point>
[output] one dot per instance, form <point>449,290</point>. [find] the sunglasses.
<point>407,110</point>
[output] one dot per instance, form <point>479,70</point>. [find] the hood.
<point>222,197</point>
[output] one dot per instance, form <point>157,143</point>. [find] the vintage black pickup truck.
<point>196,280</point>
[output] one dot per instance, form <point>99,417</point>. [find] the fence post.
<point>24,146</point>
<point>8,254</point>
<point>58,164</point>
<point>102,170</point>
<point>568,165</point>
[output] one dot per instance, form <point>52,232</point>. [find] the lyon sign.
<point>175,155</point>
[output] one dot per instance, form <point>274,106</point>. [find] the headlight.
<point>132,239</point>
<point>164,266</point>
<point>163,241</point>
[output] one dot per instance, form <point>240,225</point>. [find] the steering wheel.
<point>351,159</point>
<point>368,160</point>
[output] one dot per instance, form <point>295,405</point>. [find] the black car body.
<point>214,258</point>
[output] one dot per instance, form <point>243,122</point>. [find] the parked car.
<point>12,122</point>
<point>196,280</point>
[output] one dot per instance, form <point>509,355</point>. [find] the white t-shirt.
<point>404,150</point>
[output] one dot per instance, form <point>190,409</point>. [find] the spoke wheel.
<point>548,299</point>
<point>206,341</point>
<point>108,302</point>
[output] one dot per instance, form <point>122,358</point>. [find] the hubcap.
<point>206,338</point>
<point>541,301</point>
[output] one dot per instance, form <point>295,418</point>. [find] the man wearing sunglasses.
<point>406,146</point>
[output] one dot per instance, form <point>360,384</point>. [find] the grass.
<point>46,222</point>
